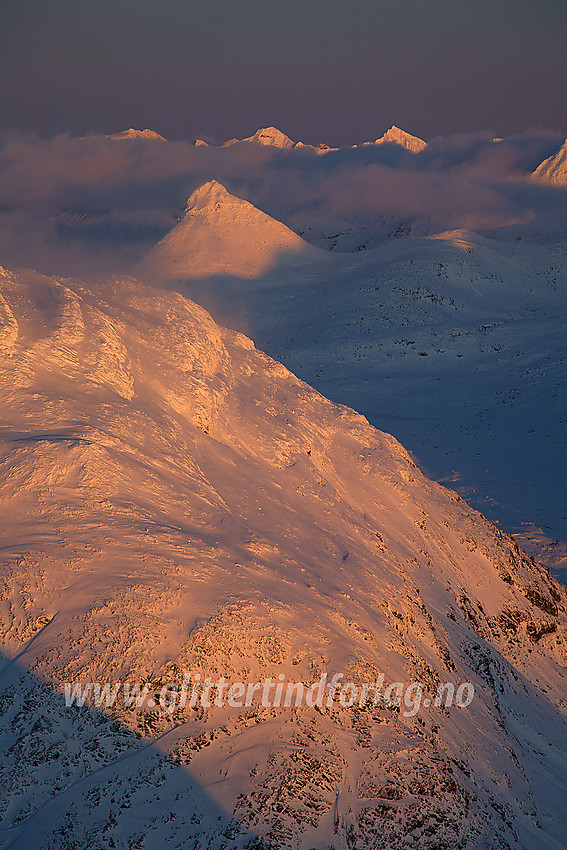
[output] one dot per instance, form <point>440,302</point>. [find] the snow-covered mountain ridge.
<point>272,137</point>
<point>451,337</point>
<point>397,136</point>
<point>554,169</point>
<point>176,500</point>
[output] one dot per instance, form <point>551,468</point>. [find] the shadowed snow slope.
<point>554,168</point>
<point>175,501</point>
<point>221,233</point>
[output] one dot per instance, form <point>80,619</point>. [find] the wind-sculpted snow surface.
<point>176,502</point>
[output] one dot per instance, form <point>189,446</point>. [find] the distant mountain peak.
<point>267,136</point>
<point>397,136</point>
<point>554,168</point>
<point>131,133</point>
<point>221,233</point>
<point>271,136</point>
<point>209,195</point>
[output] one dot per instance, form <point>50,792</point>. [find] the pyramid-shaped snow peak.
<point>271,136</point>
<point>222,234</point>
<point>399,137</point>
<point>554,168</point>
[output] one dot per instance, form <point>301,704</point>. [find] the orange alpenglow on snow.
<point>554,168</point>
<point>222,234</point>
<point>125,135</point>
<point>267,136</point>
<point>399,137</point>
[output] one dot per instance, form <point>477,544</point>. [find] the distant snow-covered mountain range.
<point>272,137</point>
<point>553,169</point>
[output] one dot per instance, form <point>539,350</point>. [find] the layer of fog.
<point>81,205</point>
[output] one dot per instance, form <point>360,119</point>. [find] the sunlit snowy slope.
<point>395,136</point>
<point>554,168</point>
<point>452,340</point>
<point>175,501</point>
<point>222,234</point>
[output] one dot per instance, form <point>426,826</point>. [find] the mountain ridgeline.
<point>178,502</point>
